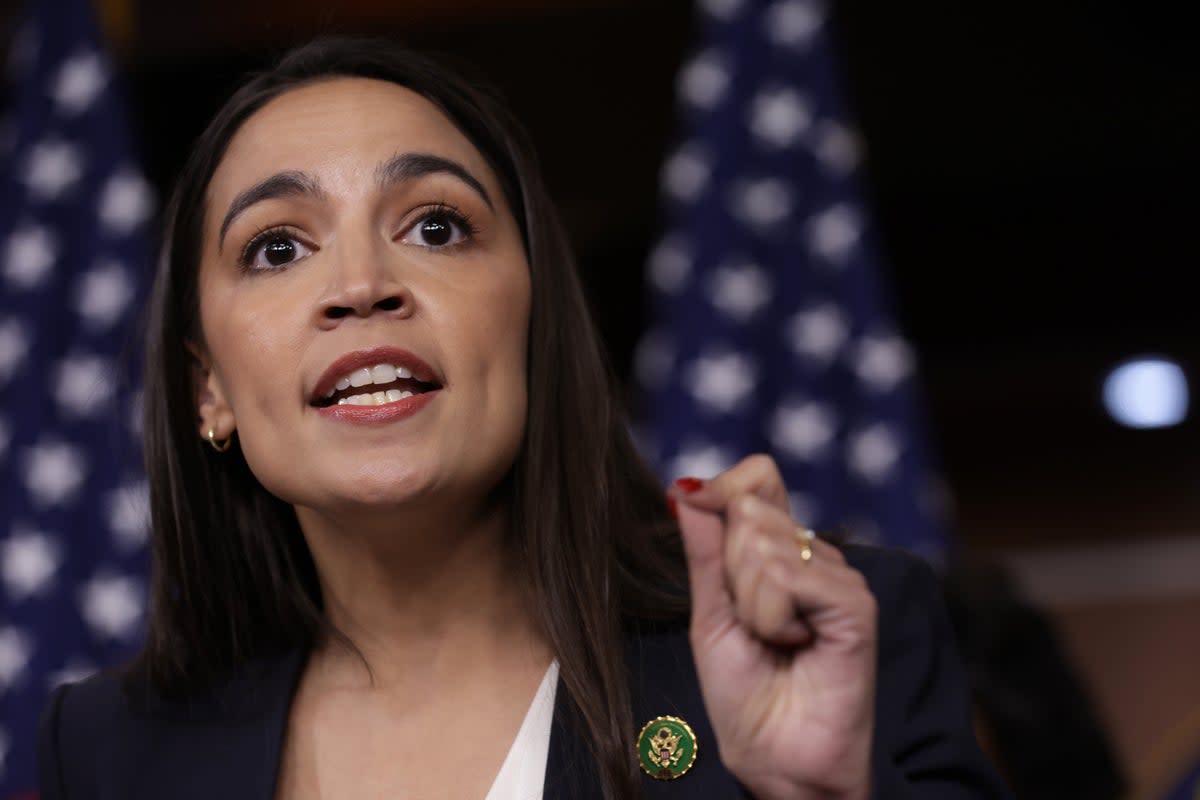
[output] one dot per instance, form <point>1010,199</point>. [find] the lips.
<point>378,369</point>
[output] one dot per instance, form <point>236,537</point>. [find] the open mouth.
<point>375,386</point>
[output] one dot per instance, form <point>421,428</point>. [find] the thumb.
<point>704,548</point>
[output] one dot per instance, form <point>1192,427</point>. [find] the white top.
<point>523,773</point>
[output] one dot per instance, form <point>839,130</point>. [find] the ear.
<point>212,408</point>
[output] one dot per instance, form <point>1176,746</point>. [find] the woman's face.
<point>351,230</point>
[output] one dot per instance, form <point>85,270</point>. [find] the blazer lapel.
<point>663,682</point>
<point>225,744</point>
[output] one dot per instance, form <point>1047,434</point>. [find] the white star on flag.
<point>739,291</point>
<point>28,559</point>
<point>704,81</point>
<point>112,605</point>
<point>779,117</point>
<point>104,293</point>
<point>803,430</point>
<point>16,649</point>
<point>686,173</point>
<point>793,23</point>
<point>722,9</point>
<point>873,452</point>
<point>763,202</point>
<point>125,202</point>
<point>882,362</point>
<point>14,346</point>
<point>834,232</point>
<point>29,256</point>
<point>819,332</point>
<point>54,471</point>
<point>670,265</point>
<point>837,147</point>
<point>700,460</point>
<point>720,382</point>
<point>79,82</point>
<point>53,167</point>
<point>84,385</point>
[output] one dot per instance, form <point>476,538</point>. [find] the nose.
<point>364,283</point>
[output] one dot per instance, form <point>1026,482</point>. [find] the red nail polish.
<point>689,485</point>
<point>671,507</point>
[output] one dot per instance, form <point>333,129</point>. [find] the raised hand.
<point>784,636</point>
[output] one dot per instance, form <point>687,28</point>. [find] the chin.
<point>385,486</point>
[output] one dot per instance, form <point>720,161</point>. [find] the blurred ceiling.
<point>1033,167</point>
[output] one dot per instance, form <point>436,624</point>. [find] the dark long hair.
<point>233,579</point>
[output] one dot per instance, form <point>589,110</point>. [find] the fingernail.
<point>671,507</point>
<point>689,485</point>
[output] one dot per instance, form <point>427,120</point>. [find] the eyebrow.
<point>290,183</point>
<point>408,166</point>
<point>397,169</point>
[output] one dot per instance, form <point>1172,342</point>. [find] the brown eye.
<point>440,228</point>
<point>279,252</point>
<point>436,231</point>
<point>273,250</point>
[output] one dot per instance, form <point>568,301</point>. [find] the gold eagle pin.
<point>666,748</point>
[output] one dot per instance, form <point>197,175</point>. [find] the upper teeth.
<point>380,373</point>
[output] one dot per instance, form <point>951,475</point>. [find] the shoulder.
<point>114,730</point>
<point>923,727</point>
<point>77,720</point>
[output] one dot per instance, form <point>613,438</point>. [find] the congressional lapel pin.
<point>666,748</point>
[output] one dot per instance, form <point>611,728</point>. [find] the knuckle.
<point>763,465</point>
<point>747,505</point>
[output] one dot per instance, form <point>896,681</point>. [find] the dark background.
<point>1032,167</point>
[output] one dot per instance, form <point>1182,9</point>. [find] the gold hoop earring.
<point>219,446</point>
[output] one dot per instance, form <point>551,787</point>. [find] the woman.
<point>403,544</point>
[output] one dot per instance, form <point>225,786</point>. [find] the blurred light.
<point>1147,393</point>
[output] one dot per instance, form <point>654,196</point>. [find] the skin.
<point>402,519</point>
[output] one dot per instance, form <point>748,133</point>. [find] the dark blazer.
<point>100,742</point>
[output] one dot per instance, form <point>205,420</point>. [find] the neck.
<point>415,591</point>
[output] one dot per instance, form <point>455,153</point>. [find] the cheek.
<point>502,338</point>
<point>255,348</point>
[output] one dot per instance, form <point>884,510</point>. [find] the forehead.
<point>338,128</point>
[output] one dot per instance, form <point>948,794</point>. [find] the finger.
<point>776,620</point>
<point>703,535</point>
<point>754,540</point>
<point>834,599</point>
<point>757,475</point>
<point>759,536</point>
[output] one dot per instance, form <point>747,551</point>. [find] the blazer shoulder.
<point>115,735</point>
<point>77,718</point>
<point>924,737</point>
<point>888,569</point>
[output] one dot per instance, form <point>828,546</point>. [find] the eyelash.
<point>456,217</point>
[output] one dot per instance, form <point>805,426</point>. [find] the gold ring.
<point>806,537</point>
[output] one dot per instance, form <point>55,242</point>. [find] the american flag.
<point>771,329</point>
<point>73,255</point>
